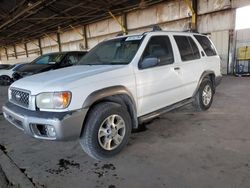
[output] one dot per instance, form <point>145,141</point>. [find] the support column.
<point>85,37</point>
<point>59,41</point>
<point>125,23</point>
<point>194,18</point>
<point>40,46</point>
<point>6,52</point>
<point>14,46</point>
<point>193,8</point>
<point>83,34</point>
<point>118,21</point>
<point>26,49</point>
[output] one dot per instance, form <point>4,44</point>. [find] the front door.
<point>191,64</point>
<point>161,85</point>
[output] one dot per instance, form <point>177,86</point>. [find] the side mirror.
<point>148,63</point>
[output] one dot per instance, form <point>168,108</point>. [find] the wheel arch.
<point>5,75</point>
<point>117,94</point>
<point>206,74</point>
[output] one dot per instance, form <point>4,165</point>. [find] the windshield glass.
<point>48,59</point>
<point>117,51</point>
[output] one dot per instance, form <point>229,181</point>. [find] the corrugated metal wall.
<point>243,38</point>
<point>214,16</point>
<point>221,41</point>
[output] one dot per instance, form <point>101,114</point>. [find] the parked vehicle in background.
<point>4,66</point>
<point>48,62</point>
<point>6,74</point>
<point>119,84</point>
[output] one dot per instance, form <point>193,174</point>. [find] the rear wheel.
<point>204,97</point>
<point>107,130</point>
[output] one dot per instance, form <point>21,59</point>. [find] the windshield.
<point>117,51</point>
<point>48,59</point>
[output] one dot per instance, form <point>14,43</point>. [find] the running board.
<point>157,113</point>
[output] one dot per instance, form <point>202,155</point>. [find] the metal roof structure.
<point>23,20</point>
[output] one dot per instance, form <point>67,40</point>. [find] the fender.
<point>118,94</point>
<point>206,73</point>
<point>106,92</point>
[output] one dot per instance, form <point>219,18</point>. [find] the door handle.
<point>177,68</point>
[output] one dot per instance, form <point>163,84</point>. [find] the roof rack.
<point>119,34</point>
<point>154,28</point>
<point>157,28</point>
<point>190,31</point>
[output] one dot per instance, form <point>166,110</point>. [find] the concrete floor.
<point>181,149</point>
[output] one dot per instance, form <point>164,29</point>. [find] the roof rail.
<point>157,28</point>
<point>119,34</point>
<point>190,31</point>
<point>154,28</point>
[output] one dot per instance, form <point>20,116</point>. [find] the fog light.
<point>51,132</point>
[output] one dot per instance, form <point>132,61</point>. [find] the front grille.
<point>20,98</point>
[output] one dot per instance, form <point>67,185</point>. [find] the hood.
<point>34,68</point>
<point>57,80</point>
<point>5,72</point>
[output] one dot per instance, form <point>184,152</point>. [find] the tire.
<point>1,80</point>
<point>6,80</point>
<point>204,97</point>
<point>99,138</point>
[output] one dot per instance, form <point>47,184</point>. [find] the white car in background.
<point>6,74</point>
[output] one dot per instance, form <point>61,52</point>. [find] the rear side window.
<point>72,59</point>
<point>160,47</point>
<point>187,47</point>
<point>206,45</point>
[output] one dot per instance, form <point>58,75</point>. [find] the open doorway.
<point>242,18</point>
<point>242,55</point>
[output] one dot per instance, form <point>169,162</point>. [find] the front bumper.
<point>67,125</point>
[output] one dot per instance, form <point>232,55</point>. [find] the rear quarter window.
<point>206,45</point>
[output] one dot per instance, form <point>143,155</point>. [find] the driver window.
<point>159,47</point>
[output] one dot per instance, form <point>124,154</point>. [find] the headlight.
<point>55,100</point>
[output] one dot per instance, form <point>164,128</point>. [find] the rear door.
<point>211,59</point>
<point>161,85</point>
<point>190,62</point>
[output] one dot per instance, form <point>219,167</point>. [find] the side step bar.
<point>157,113</point>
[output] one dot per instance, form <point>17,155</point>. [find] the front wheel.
<point>5,80</point>
<point>106,131</point>
<point>204,97</point>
